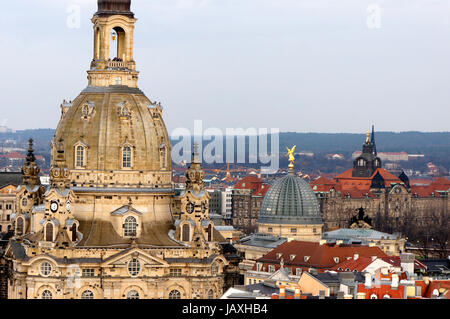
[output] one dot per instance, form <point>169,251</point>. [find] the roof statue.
<point>291,157</point>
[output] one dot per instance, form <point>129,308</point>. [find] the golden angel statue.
<point>291,155</point>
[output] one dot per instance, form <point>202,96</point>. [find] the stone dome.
<point>100,123</point>
<point>290,201</point>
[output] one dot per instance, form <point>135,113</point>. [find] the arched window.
<point>210,232</point>
<point>174,294</point>
<point>24,202</point>
<point>19,226</point>
<point>80,156</point>
<point>73,229</point>
<point>117,44</point>
<point>133,294</point>
<point>126,157</point>
<point>87,294</point>
<point>134,267</point>
<point>186,232</point>
<point>46,294</point>
<point>211,294</point>
<point>130,227</point>
<point>361,162</point>
<point>49,232</point>
<point>373,296</point>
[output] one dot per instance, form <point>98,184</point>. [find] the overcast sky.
<point>296,65</point>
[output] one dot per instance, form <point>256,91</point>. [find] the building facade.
<point>247,197</point>
<point>392,202</point>
<point>8,186</point>
<point>105,226</point>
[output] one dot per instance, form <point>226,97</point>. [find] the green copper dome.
<point>290,201</point>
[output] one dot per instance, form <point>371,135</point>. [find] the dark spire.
<point>30,156</point>
<point>30,170</point>
<point>373,141</point>
<point>113,7</point>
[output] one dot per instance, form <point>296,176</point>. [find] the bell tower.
<point>113,63</point>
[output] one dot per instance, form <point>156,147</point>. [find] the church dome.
<point>113,129</point>
<point>112,135</point>
<point>290,201</point>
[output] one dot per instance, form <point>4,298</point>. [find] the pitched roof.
<point>347,176</point>
<point>320,256</point>
<point>351,264</point>
<point>10,178</point>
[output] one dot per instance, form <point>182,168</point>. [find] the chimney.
<point>322,242</point>
<point>355,256</point>
<point>297,293</point>
<point>407,263</point>
<point>395,280</point>
<point>418,291</point>
<point>368,282</point>
<point>282,292</point>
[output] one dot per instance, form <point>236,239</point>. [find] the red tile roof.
<point>351,264</point>
<point>428,288</point>
<point>320,256</point>
<point>253,183</point>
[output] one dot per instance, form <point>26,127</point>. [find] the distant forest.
<point>436,146</point>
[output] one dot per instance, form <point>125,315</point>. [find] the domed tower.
<point>290,209</point>
<point>104,227</point>
<point>113,142</point>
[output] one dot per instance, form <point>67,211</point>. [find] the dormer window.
<point>130,227</point>
<point>49,232</point>
<point>306,258</point>
<point>292,257</point>
<point>336,259</point>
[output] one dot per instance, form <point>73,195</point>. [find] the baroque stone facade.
<point>105,226</point>
<point>392,202</point>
